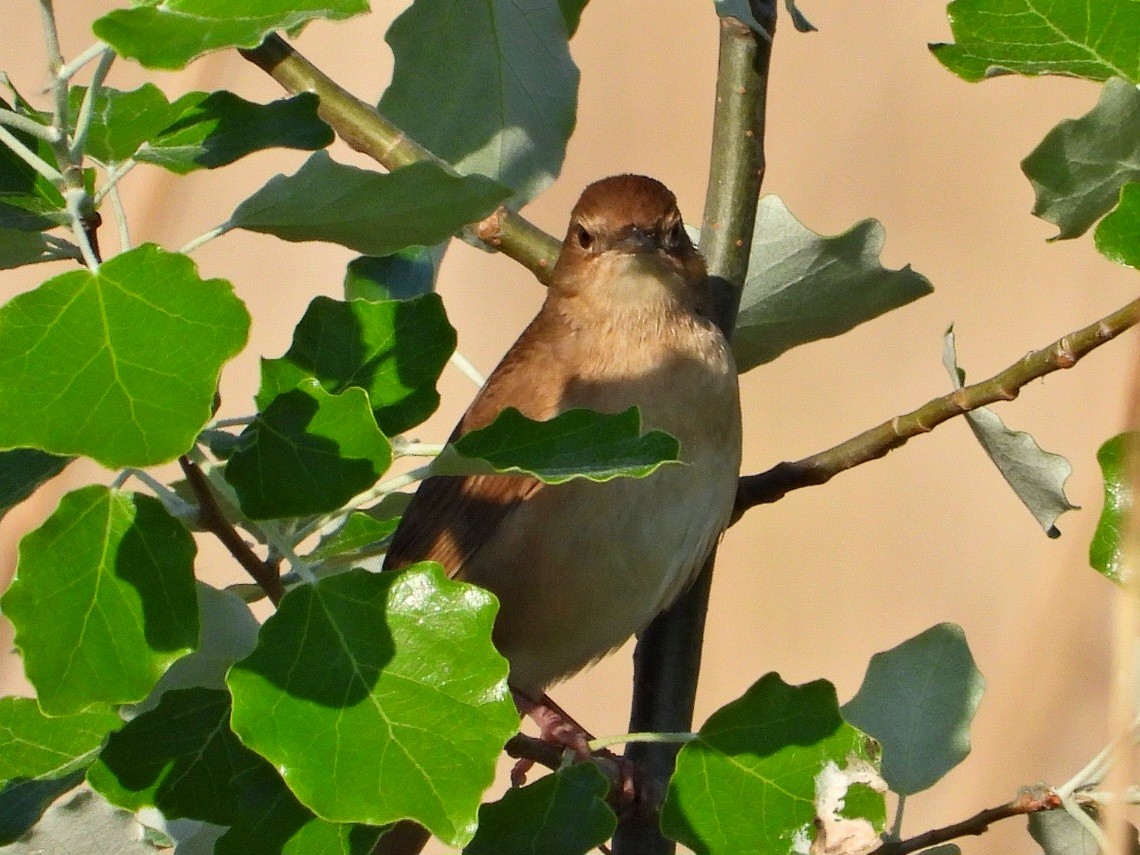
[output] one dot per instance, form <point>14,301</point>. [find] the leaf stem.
<point>657,738</point>
<point>467,369</point>
<point>77,201</point>
<point>86,108</point>
<point>205,237</point>
<point>30,157</point>
<point>29,126</point>
<point>1065,352</point>
<point>69,69</point>
<point>368,132</point>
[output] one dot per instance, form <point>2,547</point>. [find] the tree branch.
<point>368,132</point>
<point>1027,802</point>
<point>667,659</point>
<point>872,444</point>
<point>214,521</point>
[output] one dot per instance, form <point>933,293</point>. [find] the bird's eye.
<point>585,239</point>
<point>676,235</point>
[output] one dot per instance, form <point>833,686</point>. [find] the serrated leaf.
<point>801,287</point>
<point>918,700</point>
<point>171,33</point>
<point>182,758</point>
<point>19,248</point>
<point>102,600</point>
<point>1058,833</point>
<point>380,697</point>
<point>22,470</point>
<point>1093,39</point>
<point>120,365</point>
<point>212,129</point>
<point>747,785</point>
<point>308,452</point>
<point>1106,551</point>
<point>1118,235</point>
<point>1078,169</point>
<point>23,802</point>
<point>560,814</point>
<point>1036,476</point>
<point>476,65</point>
<point>394,350</point>
<point>370,212</point>
<point>573,444</point>
<point>83,824</point>
<point>33,745</point>
<point>404,275</point>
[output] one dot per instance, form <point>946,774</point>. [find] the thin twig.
<point>214,521</point>
<point>87,107</point>
<point>28,126</point>
<point>820,468</point>
<point>364,129</point>
<point>1029,801</point>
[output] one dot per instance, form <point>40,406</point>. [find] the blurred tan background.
<point>863,122</point>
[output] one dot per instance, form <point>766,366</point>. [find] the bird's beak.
<point>636,241</point>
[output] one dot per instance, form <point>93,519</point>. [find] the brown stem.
<point>214,521</point>
<point>820,468</point>
<point>1029,801</point>
<point>364,129</point>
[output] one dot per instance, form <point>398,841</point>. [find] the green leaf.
<point>23,802</point>
<point>19,248</point>
<point>801,287</point>
<point>120,365</point>
<point>28,201</point>
<point>1078,169</point>
<point>749,783</point>
<point>182,758</point>
<point>1093,39</point>
<point>122,121</point>
<point>364,533</point>
<point>394,350</point>
<point>171,33</point>
<point>22,471</point>
<point>560,814</point>
<point>308,452</point>
<point>1118,235</point>
<point>33,745</point>
<point>918,700</point>
<point>380,697</point>
<point>102,600</point>
<point>573,444</point>
<point>464,86</point>
<point>1036,476</point>
<point>1058,833</point>
<point>406,274</point>
<point>572,14</point>
<point>212,129</point>
<point>416,205</point>
<point>1106,551</point>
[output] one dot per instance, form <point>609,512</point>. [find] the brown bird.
<point>579,567</point>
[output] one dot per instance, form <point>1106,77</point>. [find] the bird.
<point>581,566</point>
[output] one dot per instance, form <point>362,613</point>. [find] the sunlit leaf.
<point>1118,235</point>
<point>1106,550</point>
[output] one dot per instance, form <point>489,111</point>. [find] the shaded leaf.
<point>573,444</point>
<point>122,121</point>
<point>171,33</point>
<point>1078,169</point>
<point>23,802</point>
<point>18,248</point>
<point>364,532</point>
<point>801,287</point>
<point>1036,476</point>
<point>370,212</point>
<point>1058,833</point>
<point>561,814</point>
<point>308,452</point>
<point>83,824</point>
<point>464,86</point>
<point>1118,235</point>
<point>22,471</point>
<point>380,697</point>
<point>102,600</point>
<point>918,700</point>
<point>1106,551</point>
<point>28,201</point>
<point>182,758</point>
<point>33,745</point>
<point>1093,39</point>
<point>212,129</point>
<point>120,365</point>
<point>748,784</point>
<point>404,275</point>
<point>394,350</point>
<point>572,14</point>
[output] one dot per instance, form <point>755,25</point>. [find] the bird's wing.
<point>450,516</point>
